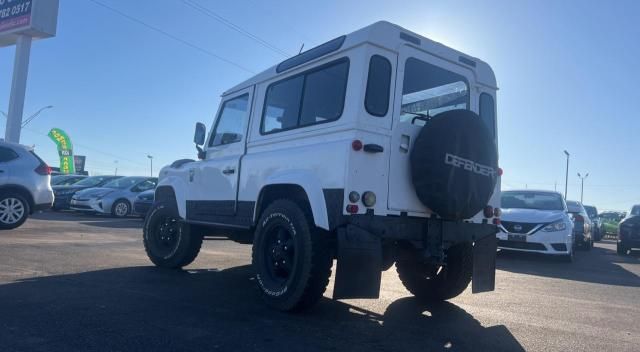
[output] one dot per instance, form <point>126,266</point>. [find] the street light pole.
<point>151,160</point>
<point>32,117</point>
<point>582,186</point>
<point>116,162</point>
<point>566,177</point>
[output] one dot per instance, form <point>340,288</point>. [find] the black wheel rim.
<point>279,254</point>
<point>166,236</point>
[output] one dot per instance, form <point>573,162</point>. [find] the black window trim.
<point>212,136</point>
<point>304,81</point>
<point>366,93</point>
<point>464,79</point>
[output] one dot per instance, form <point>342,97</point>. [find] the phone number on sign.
<point>8,9</point>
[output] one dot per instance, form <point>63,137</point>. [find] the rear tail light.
<point>496,221</point>
<point>578,218</point>
<point>488,211</point>
<point>356,145</point>
<point>500,171</point>
<point>43,169</point>
<point>352,208</point>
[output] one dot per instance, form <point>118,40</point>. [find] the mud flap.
<point>358,272</point>
<point>484,264</point>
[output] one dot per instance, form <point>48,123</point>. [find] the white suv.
<point>375,148</point>
<point>536,221</point>
<point>24,184</point>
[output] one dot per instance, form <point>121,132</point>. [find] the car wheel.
<point>168,241</point>
<point>120,209</point>
<point>621,248</point>
<point>430,282</point>
<point>291,258</point>
<point>14,210</point>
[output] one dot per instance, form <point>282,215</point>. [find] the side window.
<point>376,100</point>
<point>146,185</point>
<point>231,122</point>
<point>307,99</point>
<point>282,105</point>
<point>488,112</point>
<point>7,154</point>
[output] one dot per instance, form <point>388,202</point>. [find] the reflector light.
<point>356,145</point>
<point>500,171</point>
<point>352,208</point>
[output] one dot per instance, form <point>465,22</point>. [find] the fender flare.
<point>311,186</point>
<point>179,187</point>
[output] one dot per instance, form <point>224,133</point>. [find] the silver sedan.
<point>115,198</point>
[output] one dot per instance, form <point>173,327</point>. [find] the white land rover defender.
<point>375,148</point>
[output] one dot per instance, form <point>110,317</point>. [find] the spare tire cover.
<point>454,164</point>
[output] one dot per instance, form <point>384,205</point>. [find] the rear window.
<point>574,207</point>
<point>310,98</point>
<point>429,89</point>
<point>376,100</point>
<point>7,154</point>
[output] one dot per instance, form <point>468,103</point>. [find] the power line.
<point>171,36</point>
<point>206,11</point>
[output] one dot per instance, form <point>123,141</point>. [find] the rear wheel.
<point>291,257</point>
<point>14,210</point>
<point>168,241</point>
<point>430,282</point>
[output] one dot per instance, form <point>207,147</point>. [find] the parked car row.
<point>113,195</point>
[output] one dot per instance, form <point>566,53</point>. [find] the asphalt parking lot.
<point>78,282</point>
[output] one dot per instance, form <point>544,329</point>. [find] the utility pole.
<point>151,160</point>
<point>116,162</point>
<point>566,178</point>
<point>582,186</point>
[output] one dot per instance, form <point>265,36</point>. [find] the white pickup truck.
<point>377,147</point>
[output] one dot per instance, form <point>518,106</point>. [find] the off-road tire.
<point>15,198</point>
<point>308,277</point>
<point>175,254</point>
<point>451,281</point>
<point>114,208</point>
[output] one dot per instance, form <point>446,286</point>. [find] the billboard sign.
<point>65,150</point>
<point>35,18</point>
<point>79,161</point>
<point>14,14</point>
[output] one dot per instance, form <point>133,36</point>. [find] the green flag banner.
<point>65,150</point>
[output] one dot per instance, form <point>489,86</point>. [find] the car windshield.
<point>531,200</point>
<point>123,183</point>
<point>591,211</point>
<point>92,181</point>
<point>635,210</point>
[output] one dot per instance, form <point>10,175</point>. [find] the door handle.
<point>229,170</point>
<point>405,141</point>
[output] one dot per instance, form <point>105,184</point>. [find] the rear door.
<point>7,157</point>
<point>426,84</point>
<point>214,181</point>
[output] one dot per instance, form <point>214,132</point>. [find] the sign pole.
<point>18,88</point>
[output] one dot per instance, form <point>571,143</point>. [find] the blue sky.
<point>567,72</point>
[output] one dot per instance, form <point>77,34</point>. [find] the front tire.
<point>291,258</point>
<point>14,210</point>
<point>168,241</point>
<point>430,282</point>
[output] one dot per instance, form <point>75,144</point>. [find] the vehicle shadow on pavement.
<point>600,265</point>
<point>145,308</point>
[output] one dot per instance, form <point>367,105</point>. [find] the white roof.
<point>388,35</point>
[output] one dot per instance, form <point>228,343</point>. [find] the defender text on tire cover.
<point>454,164</point>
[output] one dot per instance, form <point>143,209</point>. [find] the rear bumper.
<point>41,207</point>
